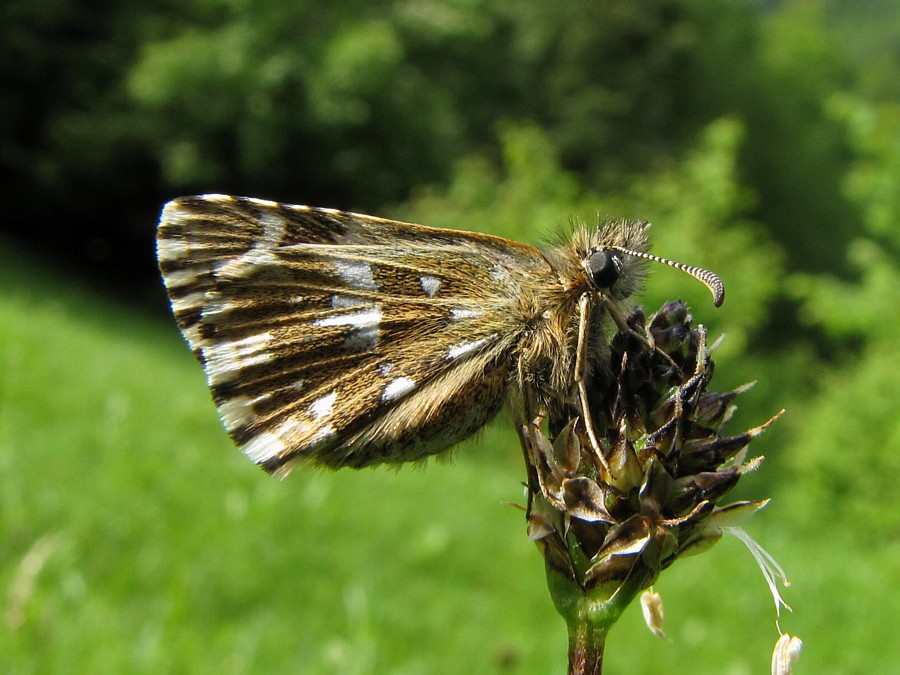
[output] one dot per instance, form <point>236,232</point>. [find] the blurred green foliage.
<point>761,138</point>
<point>111,108</point>
<point>852,456</point>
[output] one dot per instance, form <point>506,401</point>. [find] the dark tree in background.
<point>108,109</point>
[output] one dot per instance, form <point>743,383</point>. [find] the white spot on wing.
<point>397,388</point>
<point>264,446</point>
<point>237,412</point>
<point>356,274</point>
<point>321,407</point>
<point>344,301</point>
<point>363,340</point>
<point>274,227</point>
<point>363,319</point>
<point>385,367</point>
<point>188,302</point>
<point>275,443</point>
<point>177,278</point>
<point>257,256</point>
<point>429,284</point>
<point>465,313</point>
<point>216,306</point>
<point>262,252</point>
<point>464,348</point>
<point>225,359</point>
<point>366,322</point>
<point>171,249</point>
<point>290,434</point>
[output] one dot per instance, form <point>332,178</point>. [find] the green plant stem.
<point>587,620</point>
<point>586,644</point>
<point>590,614</point>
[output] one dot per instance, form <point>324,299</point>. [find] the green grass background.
<point>135,538</point>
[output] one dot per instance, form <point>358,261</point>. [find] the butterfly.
<point>347,340</point>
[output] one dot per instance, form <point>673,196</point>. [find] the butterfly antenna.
<point>710,279</point>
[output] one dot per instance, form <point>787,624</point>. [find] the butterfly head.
<point>601,260</point>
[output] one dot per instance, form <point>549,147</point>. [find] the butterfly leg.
<point>540,460</point>
<point>584,315</point>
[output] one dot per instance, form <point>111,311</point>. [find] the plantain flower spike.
<point>608,526</point>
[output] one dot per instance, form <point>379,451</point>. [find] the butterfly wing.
<point>340,338</point>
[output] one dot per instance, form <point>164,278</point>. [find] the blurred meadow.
<point>761,138</point>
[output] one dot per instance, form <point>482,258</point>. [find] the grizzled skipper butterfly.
<point>348,340</point>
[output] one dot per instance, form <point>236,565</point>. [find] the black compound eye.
<point>604,268</point>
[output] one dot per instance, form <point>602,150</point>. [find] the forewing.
<point>342,338</point>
